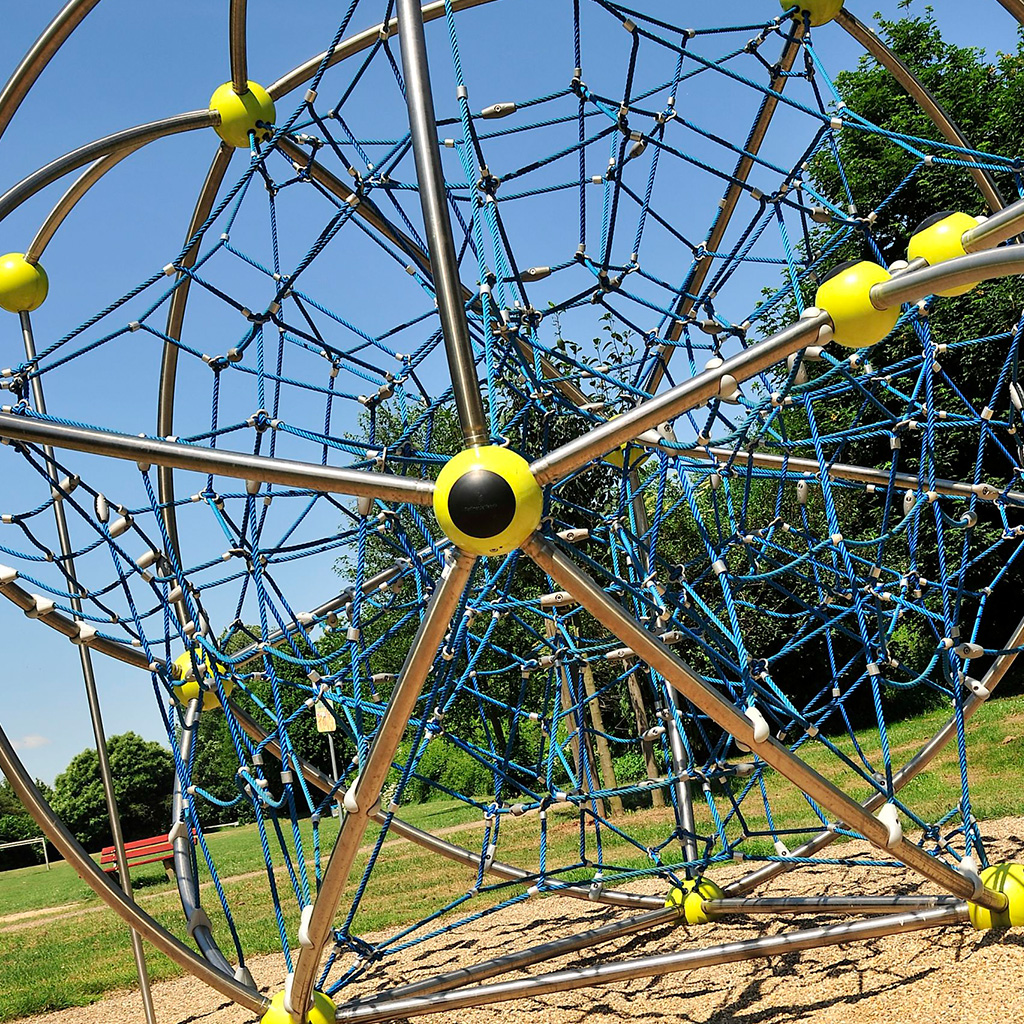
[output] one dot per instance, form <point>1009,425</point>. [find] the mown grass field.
<point>72,951</point>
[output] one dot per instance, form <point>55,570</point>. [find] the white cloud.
<point>33,741</point>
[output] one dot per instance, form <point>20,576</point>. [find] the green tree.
<point>143,772</point>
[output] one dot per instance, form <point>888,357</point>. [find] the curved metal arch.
<point>70,200</point>
<point>1015,7</point>
<point>126,139</point>
<point>112,895</point>
<point>923,97</point>
<point>52,38</point>
<point>173,328</point>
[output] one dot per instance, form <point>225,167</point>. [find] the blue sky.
<point>130,63</point>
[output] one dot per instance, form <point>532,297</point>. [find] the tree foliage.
<point>142,771</point>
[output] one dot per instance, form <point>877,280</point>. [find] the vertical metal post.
<point>91,693</point>
<point>46,854</point>
<point>239,61</point>
<point>443,258</point>
<point>684,798</point>
<point>334,757</point>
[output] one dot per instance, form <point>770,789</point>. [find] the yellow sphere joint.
<point>321,1012</point>
<point>846,296</point>
<point>487,501</point>
<point>940,238</point>
<point>1009,880</point>
<point>191,688</point>
<point>821,11</point>
<point>689,899</point>
<point>253,111</point>
<point>23,285</point>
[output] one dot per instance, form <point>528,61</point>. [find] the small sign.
<point>325,720</point>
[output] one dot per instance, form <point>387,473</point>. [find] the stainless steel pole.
<point>127,138</point>
<point>685,396</point>
<point>239,59</point>
<point>238,465</point>
<point>525,958</point>
<point>1016,8</point>
<point>433,199</point>
<point>363,797</point>
<point>828,904</point>
<point>811,470</point>
<point>924,99</point>
<point>994,230</point>
<point>66,20</point>
<point>1006,261</point>
<point>91,692</point>
<point>169,359</point>
<point>720,709</point>
<point>652,966</point>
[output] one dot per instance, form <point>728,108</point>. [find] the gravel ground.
<point>945,974</point>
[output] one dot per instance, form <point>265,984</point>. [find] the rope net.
<point>586,198</point>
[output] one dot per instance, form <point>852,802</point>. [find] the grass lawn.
<point>54,961</point>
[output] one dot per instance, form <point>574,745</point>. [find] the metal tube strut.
<point>434,201</point>
<point>924,99</point>
<point>112,895</point>
<point>1015,7</point>
<point>526,958</point>
<point>994,230</point>
<point>720,709</point>
<point>175,321</point>
<point>91,692</point>
<point>239,465</point>
<point>66,20</point>
<point>688,395</point>
<point>652,966</point>
<point>239,61</point>
<point>1006,261</point>
<point>356,44</point>
<point>363,797</point>
<point>798,468</point>
<point>127,138</point>
<point>828,904</point>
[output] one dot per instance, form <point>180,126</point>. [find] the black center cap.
<point>481,503</point>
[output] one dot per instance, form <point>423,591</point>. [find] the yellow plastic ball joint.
<point>846,296</point>
<point>23,285</point>
<point>689,898</point>
<point>487,501</point>
<point>321,1012</point>
<point>191,688</point>
<point>821,11</point>
<point>253,111</point>
<point>940,238</point>
<point>1009,880</point>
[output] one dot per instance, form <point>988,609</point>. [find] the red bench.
<point>142,851</point>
